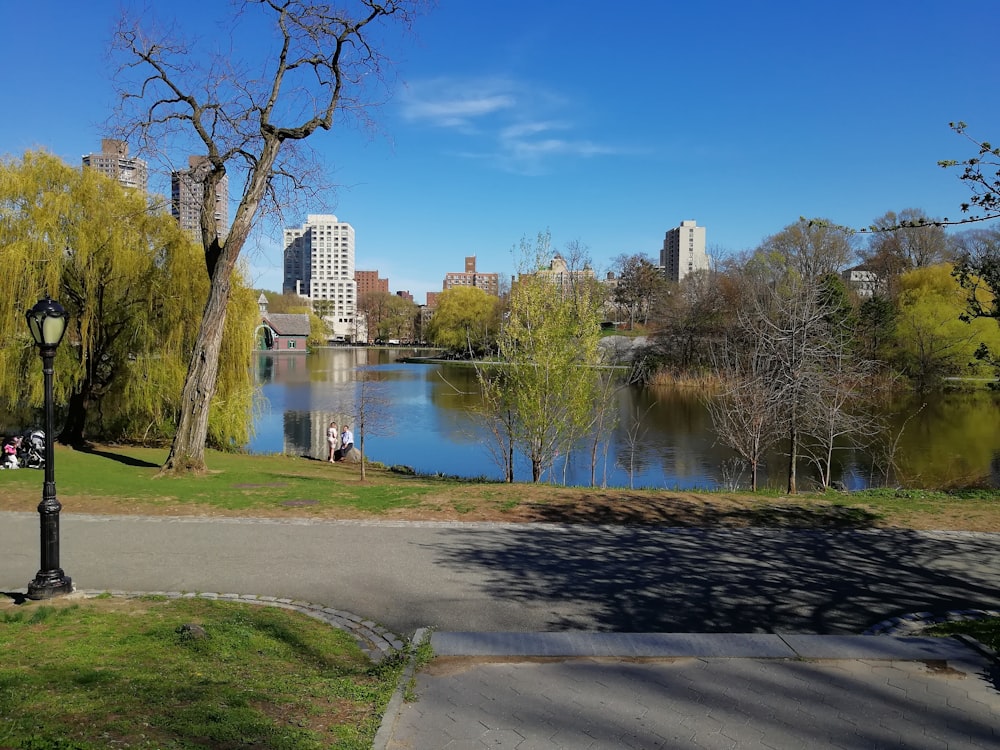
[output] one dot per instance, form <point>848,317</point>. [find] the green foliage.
<point>134,286</point>
<point>549,347</point>
<point>932,341</point>
<point>639,289</point>
<point>240,482</point>
<point>465,321</point>
<point>876,328</point>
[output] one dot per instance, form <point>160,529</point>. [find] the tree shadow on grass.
<point>119,457</point>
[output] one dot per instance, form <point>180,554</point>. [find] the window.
<point>291,343</point>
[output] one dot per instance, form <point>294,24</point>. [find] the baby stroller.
<point>32,451</point>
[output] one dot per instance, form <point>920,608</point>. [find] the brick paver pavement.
<point>471,703</point>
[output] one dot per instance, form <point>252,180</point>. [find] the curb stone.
<point>917,622</point>
<point>395,704</point>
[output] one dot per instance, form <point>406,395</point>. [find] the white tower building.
<point>319,265</point>
<point>683,251</point>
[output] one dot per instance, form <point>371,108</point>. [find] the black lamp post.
<point>47,322</point>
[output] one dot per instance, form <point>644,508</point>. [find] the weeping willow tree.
<point>134,288</point>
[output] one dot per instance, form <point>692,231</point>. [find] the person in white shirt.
<point>331,440</point>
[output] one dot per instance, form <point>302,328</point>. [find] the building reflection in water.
<point>306,393</point>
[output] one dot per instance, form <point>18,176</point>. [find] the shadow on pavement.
<point>635,579</point>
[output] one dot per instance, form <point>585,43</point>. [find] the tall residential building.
<point>368,281</point>
<point>186,192</point>
<point>114,161</point>
<point>488,282</point>
<point>684,251</point>
<point>319,264</point>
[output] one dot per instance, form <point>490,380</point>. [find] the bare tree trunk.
<point>187,452</point>
<point>793,456</point>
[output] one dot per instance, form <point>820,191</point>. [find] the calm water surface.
<point>427,422</point>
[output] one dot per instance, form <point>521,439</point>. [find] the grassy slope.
<point>124,480</point>
<point>121,673</point>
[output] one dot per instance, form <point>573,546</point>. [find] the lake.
<point>428,424</point>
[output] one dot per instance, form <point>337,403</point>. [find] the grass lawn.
<point>124,481</point>
<point>110,672</point>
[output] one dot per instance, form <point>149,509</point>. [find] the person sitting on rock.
<point>346,443</point>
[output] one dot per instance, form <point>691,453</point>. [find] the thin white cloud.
<point>506,121</point>
<point>448,103</point>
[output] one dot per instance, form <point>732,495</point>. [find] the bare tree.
<point>635,431</point>
<point>839,415</point>
<point>246,116</point>
<point>810,249</point>
<point>372,410</point>
<point>498,415</point>
<point>745,414</point>
<point>791,374</point>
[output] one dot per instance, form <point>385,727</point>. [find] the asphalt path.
<point>531,577</point>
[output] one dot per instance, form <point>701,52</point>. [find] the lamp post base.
<point>49,584</point>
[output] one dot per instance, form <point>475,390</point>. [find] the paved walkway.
<point>571,689</point>
<point>578,690</point>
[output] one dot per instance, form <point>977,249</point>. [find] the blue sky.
<point>605,123</point>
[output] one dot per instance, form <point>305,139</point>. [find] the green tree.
<point>639,286</point>
<point>549,349</point>
<point>932,340</point>
<point>317,60</point>
<point>465,321</point>
<point>876,328</point>
<point>131,281</point>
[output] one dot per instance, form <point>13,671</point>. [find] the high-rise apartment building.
<point>319,264</point>
<point>683,251</point>
<point>114,161</point>
<point>369,281</point>
<point>488,282</point>
<point>186,195</point>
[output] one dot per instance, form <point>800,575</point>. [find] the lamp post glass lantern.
<point>47,323</point>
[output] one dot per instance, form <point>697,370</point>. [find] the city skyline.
<point>504,120</point>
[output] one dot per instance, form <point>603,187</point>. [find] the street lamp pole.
<point>47,322</point>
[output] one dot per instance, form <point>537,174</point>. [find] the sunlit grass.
<point>126,480</point>
<point>116,673</point>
